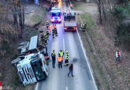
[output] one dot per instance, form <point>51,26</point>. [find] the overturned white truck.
<point>32,66</point>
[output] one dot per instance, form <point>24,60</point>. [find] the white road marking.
<point>66,88</point>
<point>91,71</point>
<point>36,88</point>
<point>63,44</point>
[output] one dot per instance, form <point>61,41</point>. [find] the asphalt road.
<point>58,79</point>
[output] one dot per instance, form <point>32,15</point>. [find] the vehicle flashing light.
<point>65,28</point>
<point>52,19</point>
<point>59,19</point>
<point>75,28</point>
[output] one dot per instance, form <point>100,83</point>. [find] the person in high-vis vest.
<point>47,33</point>
<point>47,24</point>
<point>59,59</point>
<point>50,29</point>
<point>71,6</point>
<point>67,58</point>
<point>61,53</point>
<point>53,55</point>
<point>45,38</point>
<point>54,26</point>
<point>54,31</point>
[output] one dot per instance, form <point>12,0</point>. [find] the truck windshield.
<point>56,14</point>
<point>68,18</point>
<point>37,68</point>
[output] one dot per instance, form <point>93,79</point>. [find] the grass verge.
<point>36,18</point>
<point>86,18</point>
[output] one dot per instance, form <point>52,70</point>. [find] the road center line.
<point>63,44</point>
<point>66,88</point>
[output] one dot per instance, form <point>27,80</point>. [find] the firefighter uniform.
<point>45,38</point>
<point>50,29</point>
<point>53,55</point>
<point>61,53</point>
<point>47,24</point>
<point>54,31</point>
<point>67,59</point>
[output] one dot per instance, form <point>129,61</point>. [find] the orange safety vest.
<point>59,59</point>
<point>54,26</point>
<point>71,5</point>
<point>49,28</point>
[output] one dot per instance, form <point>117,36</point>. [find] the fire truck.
<point>70,23</point>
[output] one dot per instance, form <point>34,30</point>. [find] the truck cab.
<point>70,23</point>
<point>31,64</point>
<point>32,69</point>
<point>56,15</point>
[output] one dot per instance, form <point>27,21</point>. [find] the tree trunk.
<point>100,11</point>
<point>21,19</point>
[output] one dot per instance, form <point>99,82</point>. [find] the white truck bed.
<point>70,23</point>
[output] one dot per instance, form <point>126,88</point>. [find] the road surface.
<point>58,79</point>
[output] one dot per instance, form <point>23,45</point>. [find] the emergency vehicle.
<point>55,1</point>
<point>56,15</point>
<point>70,23</point>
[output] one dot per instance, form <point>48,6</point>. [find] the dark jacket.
<point>53,57</point>
<point>71,67</point>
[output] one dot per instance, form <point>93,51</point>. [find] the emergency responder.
<point>84,26</point>
<point>54,26</point>
<point>61,53</point>
<point>54,31</point>
<point>53,55</point>
<point>47,33</point>
<point>49,29</point>
<point>60,60</point>
<point>42,38</point>
<point>45,38</point>
<point>47,24</point>
<point>67,58</point>
<point>71,6</point>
